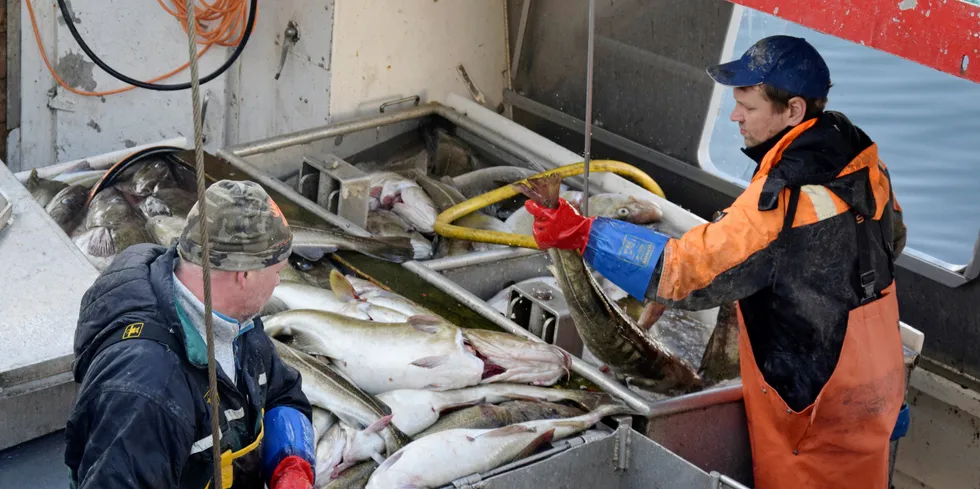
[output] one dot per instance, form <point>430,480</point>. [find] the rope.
<point>232,17</point>
<point>205,243</point>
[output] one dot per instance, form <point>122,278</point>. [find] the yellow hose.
<point>444,227</point>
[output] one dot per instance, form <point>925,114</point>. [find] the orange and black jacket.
<point>795,284</point>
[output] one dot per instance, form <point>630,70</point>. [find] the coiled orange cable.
<point>231,16</point>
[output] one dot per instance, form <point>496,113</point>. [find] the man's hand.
<point>564,228</point>
<point>292,473</point>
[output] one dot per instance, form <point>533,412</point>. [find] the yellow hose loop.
<point>444,227</point>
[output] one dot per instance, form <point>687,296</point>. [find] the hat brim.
<point>735,74</point>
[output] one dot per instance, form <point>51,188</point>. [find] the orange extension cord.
<point>230,14</point>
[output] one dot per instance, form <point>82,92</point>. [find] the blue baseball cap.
<point>785,62</point>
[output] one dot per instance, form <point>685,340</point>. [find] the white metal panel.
<point>262,106</point>
<point>138,39</point>
<point>397,48</point>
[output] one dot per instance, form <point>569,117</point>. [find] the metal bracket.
<point>337,186</point>
<point>721,481</point>
<point>624,440</point>
<point>541,310</point>
<point>415,98</point>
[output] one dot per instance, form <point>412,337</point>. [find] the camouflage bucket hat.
<point>247,230</point>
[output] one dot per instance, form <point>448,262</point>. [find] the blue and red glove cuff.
<point>288,432</point>
<point>625,253</point>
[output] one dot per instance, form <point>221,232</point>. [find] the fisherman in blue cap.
<point>807,253</point>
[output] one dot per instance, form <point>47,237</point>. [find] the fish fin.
<point>450,407</point>
<point>425,324</point>
<point>340,468</point>
<point>342,287</point>
<point>33,181</point>
<point>390,461</point>
<point>378,425</point>
<point>431,362</point>
<point>101,243</point>
<point>545,437</point>
<point>543,189</point>
<point>507,430</point>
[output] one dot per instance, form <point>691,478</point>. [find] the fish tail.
<point>101,243</point>
<point>396,249</point>
<point>544,189</point>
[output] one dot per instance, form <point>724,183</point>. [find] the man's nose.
<point>736,115</point>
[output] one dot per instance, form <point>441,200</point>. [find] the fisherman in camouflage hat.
<point>142,412</point>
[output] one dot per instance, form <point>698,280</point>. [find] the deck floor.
<point>37,464</point>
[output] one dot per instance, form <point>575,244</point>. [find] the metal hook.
<point>289,37</point>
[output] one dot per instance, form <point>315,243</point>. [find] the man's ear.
<point>797,109</point>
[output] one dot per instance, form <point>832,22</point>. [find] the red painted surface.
<point>935,33</point>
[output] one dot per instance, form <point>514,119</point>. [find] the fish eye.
<point>623,212</point>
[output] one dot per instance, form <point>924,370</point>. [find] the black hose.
<point>249,24</point>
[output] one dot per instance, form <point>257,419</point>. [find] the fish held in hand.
<point>422,353</point>
<point>609,333</point>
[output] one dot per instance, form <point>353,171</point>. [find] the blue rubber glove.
<point>625,253</point>
<point>288,436</point>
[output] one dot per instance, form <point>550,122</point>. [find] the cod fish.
<point>609,333</point>
<point>66,206</point>
<point>443,457</point>
<point>165,230</point>
<point>384,223</point>
<point>42,189</point>
<point>490,416</point>
<point>331,391</point>
<point>109,208</point>
<point>404,197</point>
<point>153,176</point>
<point>415,410</point>
<point>313,243</point>
<point>423,353</point>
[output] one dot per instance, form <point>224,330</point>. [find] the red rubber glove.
<point>563,228</point>
<point>292,473</point>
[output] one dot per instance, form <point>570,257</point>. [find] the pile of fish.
<point>148,202</point>
<point>397,389</point>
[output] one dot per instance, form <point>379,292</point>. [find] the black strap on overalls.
<point>866,263</point>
